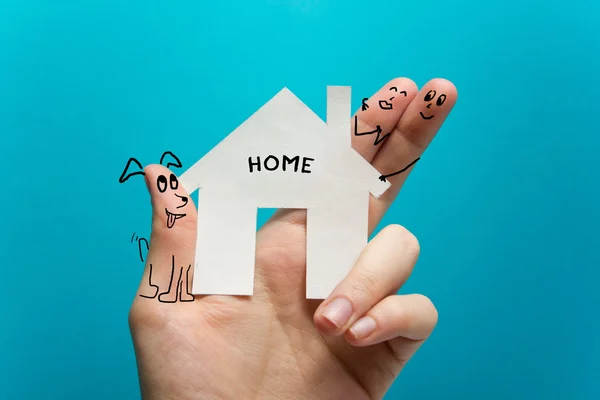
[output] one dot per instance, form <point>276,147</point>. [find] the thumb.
<point>169,266</point>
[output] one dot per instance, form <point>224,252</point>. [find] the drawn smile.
<point>171,218</point>
<point>424,117</point>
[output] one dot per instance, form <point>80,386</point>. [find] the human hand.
<point>277,344</point>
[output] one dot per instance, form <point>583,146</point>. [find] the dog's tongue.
<point>170,220</point>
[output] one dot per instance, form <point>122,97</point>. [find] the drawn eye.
<point>161,182</point>
<point>441,99</point>
<point>174,182</point>
<point>430,95</point>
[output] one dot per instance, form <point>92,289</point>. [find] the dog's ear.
<point>169,159</point>
<point>130,170</point>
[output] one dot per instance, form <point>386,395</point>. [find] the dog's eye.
<point>174,182</point>
<point>441,99</point>
<point>430,95</point>
<point>161,183</point>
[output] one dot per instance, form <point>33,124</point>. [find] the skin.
<point>276,344</point>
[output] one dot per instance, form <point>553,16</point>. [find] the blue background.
<point>505,202</point>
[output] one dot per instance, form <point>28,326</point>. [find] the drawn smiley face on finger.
<point>430,98</point>
<point>172,184</point>
<point>387,105</point>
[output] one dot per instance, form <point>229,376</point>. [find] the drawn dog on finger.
<point>166,186</point>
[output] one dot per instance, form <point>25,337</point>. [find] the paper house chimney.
<point>338,112</point>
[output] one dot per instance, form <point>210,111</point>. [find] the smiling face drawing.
<point>172,184</point>
<point>430,98</point>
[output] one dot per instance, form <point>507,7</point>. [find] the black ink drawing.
<point>395,89</point>
<point>272,163</point>
<point>162,183</point>
<point>125,175</point>
<point>129,171</point>
<point>172,160</point>
<point>133,168</point>
<point>379,140</point>
<point>142,243</point>
<point>429,97</point>
<point>153,290</point>
<point>386,105</point>
<point>356,133</point>
<point>383,178</point>
<point>154,287</point>
<point>188,296</point>
<point>174,294</point>
<point>377,130</point>
<point>365,106</point>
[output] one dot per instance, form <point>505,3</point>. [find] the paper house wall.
<point>304,163</point>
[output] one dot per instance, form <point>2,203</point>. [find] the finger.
<point>411,317</point>
<point>373,123</point>
<point>382,268</point>
<point>168,274</point>
<point>414,132</point>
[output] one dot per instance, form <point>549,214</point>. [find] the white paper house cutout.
<point>329,178</point>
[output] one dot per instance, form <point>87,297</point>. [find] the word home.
<point>285,163</point>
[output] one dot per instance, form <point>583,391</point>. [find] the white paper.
<point>323,174</point>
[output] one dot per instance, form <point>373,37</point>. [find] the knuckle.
<point>409,242</point>
<point>366,284</point>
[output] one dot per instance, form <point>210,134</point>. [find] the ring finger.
<point>413,133</point>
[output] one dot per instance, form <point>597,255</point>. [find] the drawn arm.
<point>356,133</point>
<point>383,178</point>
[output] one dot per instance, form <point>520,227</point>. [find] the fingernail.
<point>363,327</point>
<point>338,312</point>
